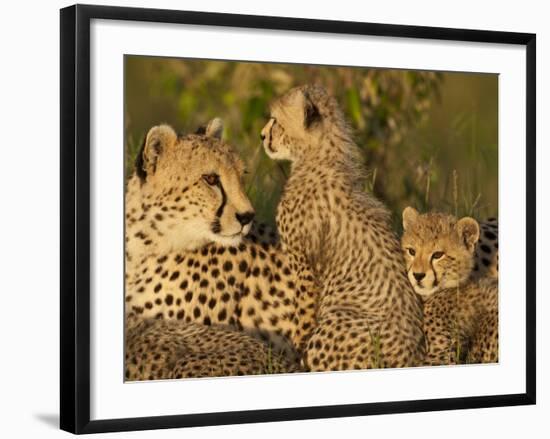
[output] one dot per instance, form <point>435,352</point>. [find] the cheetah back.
<point>168,349</point>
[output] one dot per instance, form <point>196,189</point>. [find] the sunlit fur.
<point>487,250</point>
<point>167,349</point>
<point>286,136</point>
<point>436,234</point>
<point>356,300</point>
<point>460,300</point>
<point>170,205</point>
<point>190,274</point>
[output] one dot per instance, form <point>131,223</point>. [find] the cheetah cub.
<point>340,242</point>
<point>460,307</point>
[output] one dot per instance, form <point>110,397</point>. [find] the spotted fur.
<point>170,206</point>
<point>461,304</point>
<point>442,252</point>
<point>338,236</point>
<point>168,349</point>
<point>193,272</point>
<point>486,256</point>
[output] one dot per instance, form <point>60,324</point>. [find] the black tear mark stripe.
<point>140,162</point>
<point>436,280</point>
<point>271,135</point>
<point>219,212</point>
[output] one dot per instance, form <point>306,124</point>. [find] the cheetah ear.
<point>468,231</point>
<point>410,216</point>
<point>311,112</point>
<point>213,129</point>
<point>157,140</point>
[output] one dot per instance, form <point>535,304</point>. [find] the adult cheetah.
<point>461,307</point>
<point>340,241</point>
<point>187,256</point>
<point>169,349</point>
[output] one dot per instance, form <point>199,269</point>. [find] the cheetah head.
<point>439,250</point>
<point>190,189</point>
<point>299,121</point>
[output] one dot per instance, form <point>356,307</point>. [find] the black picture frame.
<point>75,217</point>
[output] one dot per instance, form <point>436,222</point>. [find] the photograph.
<point>292,218</point>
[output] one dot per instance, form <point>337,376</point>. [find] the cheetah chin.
<point>423,291</point>
<point>231,240</point>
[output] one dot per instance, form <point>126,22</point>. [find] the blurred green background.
<point>430,139</point>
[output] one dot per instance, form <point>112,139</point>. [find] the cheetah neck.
<point>142,238</point>
<point>140,242</point>
<point>331,151</point>
<point>339,161</point>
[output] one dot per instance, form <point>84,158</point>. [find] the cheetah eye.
<point>437,255</point>
<point>412,251</point>
<point>211,179</point>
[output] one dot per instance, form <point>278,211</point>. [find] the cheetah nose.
<point>419,276</point>
<point>245,218</point>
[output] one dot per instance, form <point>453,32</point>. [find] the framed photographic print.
<point>268,218</point>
